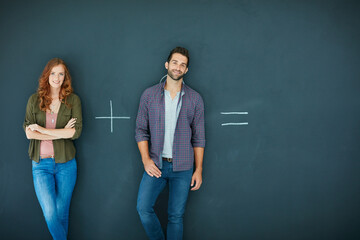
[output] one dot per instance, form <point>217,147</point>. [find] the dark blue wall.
<point>292,173</point>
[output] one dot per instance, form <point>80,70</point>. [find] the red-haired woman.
<point>53,119</point>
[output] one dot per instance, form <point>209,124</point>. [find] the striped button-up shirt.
<point>189,131</point>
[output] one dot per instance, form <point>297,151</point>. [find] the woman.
<point>53,119</point>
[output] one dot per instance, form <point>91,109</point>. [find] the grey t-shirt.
<point>172,110</point>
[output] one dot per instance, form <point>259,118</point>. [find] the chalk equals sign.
<point>234,123</point>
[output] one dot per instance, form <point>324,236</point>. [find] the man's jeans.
<point>149,190</point>
<point>54,184</point>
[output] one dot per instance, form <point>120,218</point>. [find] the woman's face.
<point>57,76</point>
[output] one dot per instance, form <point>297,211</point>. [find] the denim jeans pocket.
<point>35,163</point>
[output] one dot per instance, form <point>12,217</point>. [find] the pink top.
<point>46,146</point>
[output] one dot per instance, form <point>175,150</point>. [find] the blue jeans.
<point>54,184</point>
<point>149,190</point>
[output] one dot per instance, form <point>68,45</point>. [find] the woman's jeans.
<point>54,184</point>
<point>149,190</point>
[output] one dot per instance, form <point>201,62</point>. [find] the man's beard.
<point>173,77</point>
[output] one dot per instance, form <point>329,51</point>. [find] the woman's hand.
<point>53,134</point>
<point>37,128</point>
<point>71,123</point>
<point>34,127</point>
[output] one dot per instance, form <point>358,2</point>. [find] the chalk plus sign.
<point>111,117</point>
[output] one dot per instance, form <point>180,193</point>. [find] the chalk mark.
<point>163,78</point>
<point>234,123</point>
<point>111,117</point>
<point>233,113</point>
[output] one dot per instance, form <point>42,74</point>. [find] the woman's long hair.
<point>44,85</point>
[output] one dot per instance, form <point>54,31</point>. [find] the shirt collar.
<point>162,85</point>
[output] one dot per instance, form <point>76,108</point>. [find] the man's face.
<point>177,66</point>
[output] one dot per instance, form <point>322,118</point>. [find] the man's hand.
<point>196,180</point>
<point>151,168</point>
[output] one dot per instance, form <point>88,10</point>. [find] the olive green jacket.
<point>64,149</point>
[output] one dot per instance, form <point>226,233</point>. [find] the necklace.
<point>52,118</point>
<point>54,107</point>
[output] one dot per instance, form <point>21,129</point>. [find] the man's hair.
<point>182,51</point>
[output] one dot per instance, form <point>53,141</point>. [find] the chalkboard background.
<point>292,173</point>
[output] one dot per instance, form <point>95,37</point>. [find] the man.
<point>171,121</point>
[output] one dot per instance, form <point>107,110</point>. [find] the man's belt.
<point>167,159</point>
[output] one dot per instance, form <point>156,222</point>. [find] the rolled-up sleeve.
<point>29,116</point>
<point>142,120</point>
<point>77,113</point>
<point>198,124</point>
